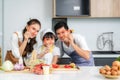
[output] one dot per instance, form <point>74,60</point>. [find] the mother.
<point>23,42</point>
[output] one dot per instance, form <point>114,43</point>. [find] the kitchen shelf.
<point>71,8</point>
<point>94,9</point>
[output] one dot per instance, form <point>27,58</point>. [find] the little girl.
<point>48,51</point>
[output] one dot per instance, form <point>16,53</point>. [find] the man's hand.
<point>70,39</point>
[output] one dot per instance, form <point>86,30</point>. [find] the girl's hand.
<point>46,50</point>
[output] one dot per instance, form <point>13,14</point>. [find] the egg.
<point>114,72</point>
<point>107,67</point>
<point>115,68</point>
<point>108,73</point>
<point>118,72</point>
<point>115,63</point>
<point>102,71</point>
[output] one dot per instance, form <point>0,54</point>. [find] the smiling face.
<point>33,29</point>
<point>48,42</point>
<point>62,33</point>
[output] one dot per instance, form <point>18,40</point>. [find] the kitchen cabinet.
<point>105,8</point>
<point>99,61</point>
<point>101,58</point>
<point>103,61</point>
<point>96,9</point>
<point>64,60</point>
<point>70,8</point>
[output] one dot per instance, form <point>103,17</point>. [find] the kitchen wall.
<point>18,12</point>
<point>0,23</point>
<point>92,28</point>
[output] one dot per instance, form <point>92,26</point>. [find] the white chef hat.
<point>43,32</point>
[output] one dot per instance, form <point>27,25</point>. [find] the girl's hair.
<point>29,46</point>
<point>49,35</point>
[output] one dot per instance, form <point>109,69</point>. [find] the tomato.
<point>39,72</point>
<point>67,66</point>
<point>37,69</point>
<point>38,66</point>
<point>55,65</point>
<point>45,65</point>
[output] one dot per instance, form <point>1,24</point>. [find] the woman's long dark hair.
<point>29,46</point>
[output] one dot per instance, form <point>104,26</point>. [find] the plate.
<point>111,76</point>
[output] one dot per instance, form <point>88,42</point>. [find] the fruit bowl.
<point>111,76</point>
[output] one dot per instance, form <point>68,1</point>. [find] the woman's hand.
<point>24,43</point>
<point>27,35</point>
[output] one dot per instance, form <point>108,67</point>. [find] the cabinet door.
<point>70,8</point>
<point>116,8</point>
<point>64,61</point>
<point>105,8</point>
<point>104,61</point>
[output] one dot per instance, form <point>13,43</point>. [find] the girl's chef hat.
<point>43,32</point>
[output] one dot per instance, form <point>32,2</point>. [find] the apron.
<point>78,60</point>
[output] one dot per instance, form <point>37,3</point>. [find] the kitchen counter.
<point>105,57</point>
<point>85,73</point>
<point>106,54</point>
<point>102,54</point>
<point>100,57</point>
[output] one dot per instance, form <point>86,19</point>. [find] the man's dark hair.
<point>60,25</point>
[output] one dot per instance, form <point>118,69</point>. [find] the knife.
<point>77,67</point>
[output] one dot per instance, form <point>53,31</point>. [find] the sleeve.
<point>56,51</point>
<point>15,46</point>
<point>81,42</point>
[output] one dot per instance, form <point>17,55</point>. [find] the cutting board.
<point>21,71</point>
<point>61,68</point>
<point>26,70</point>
